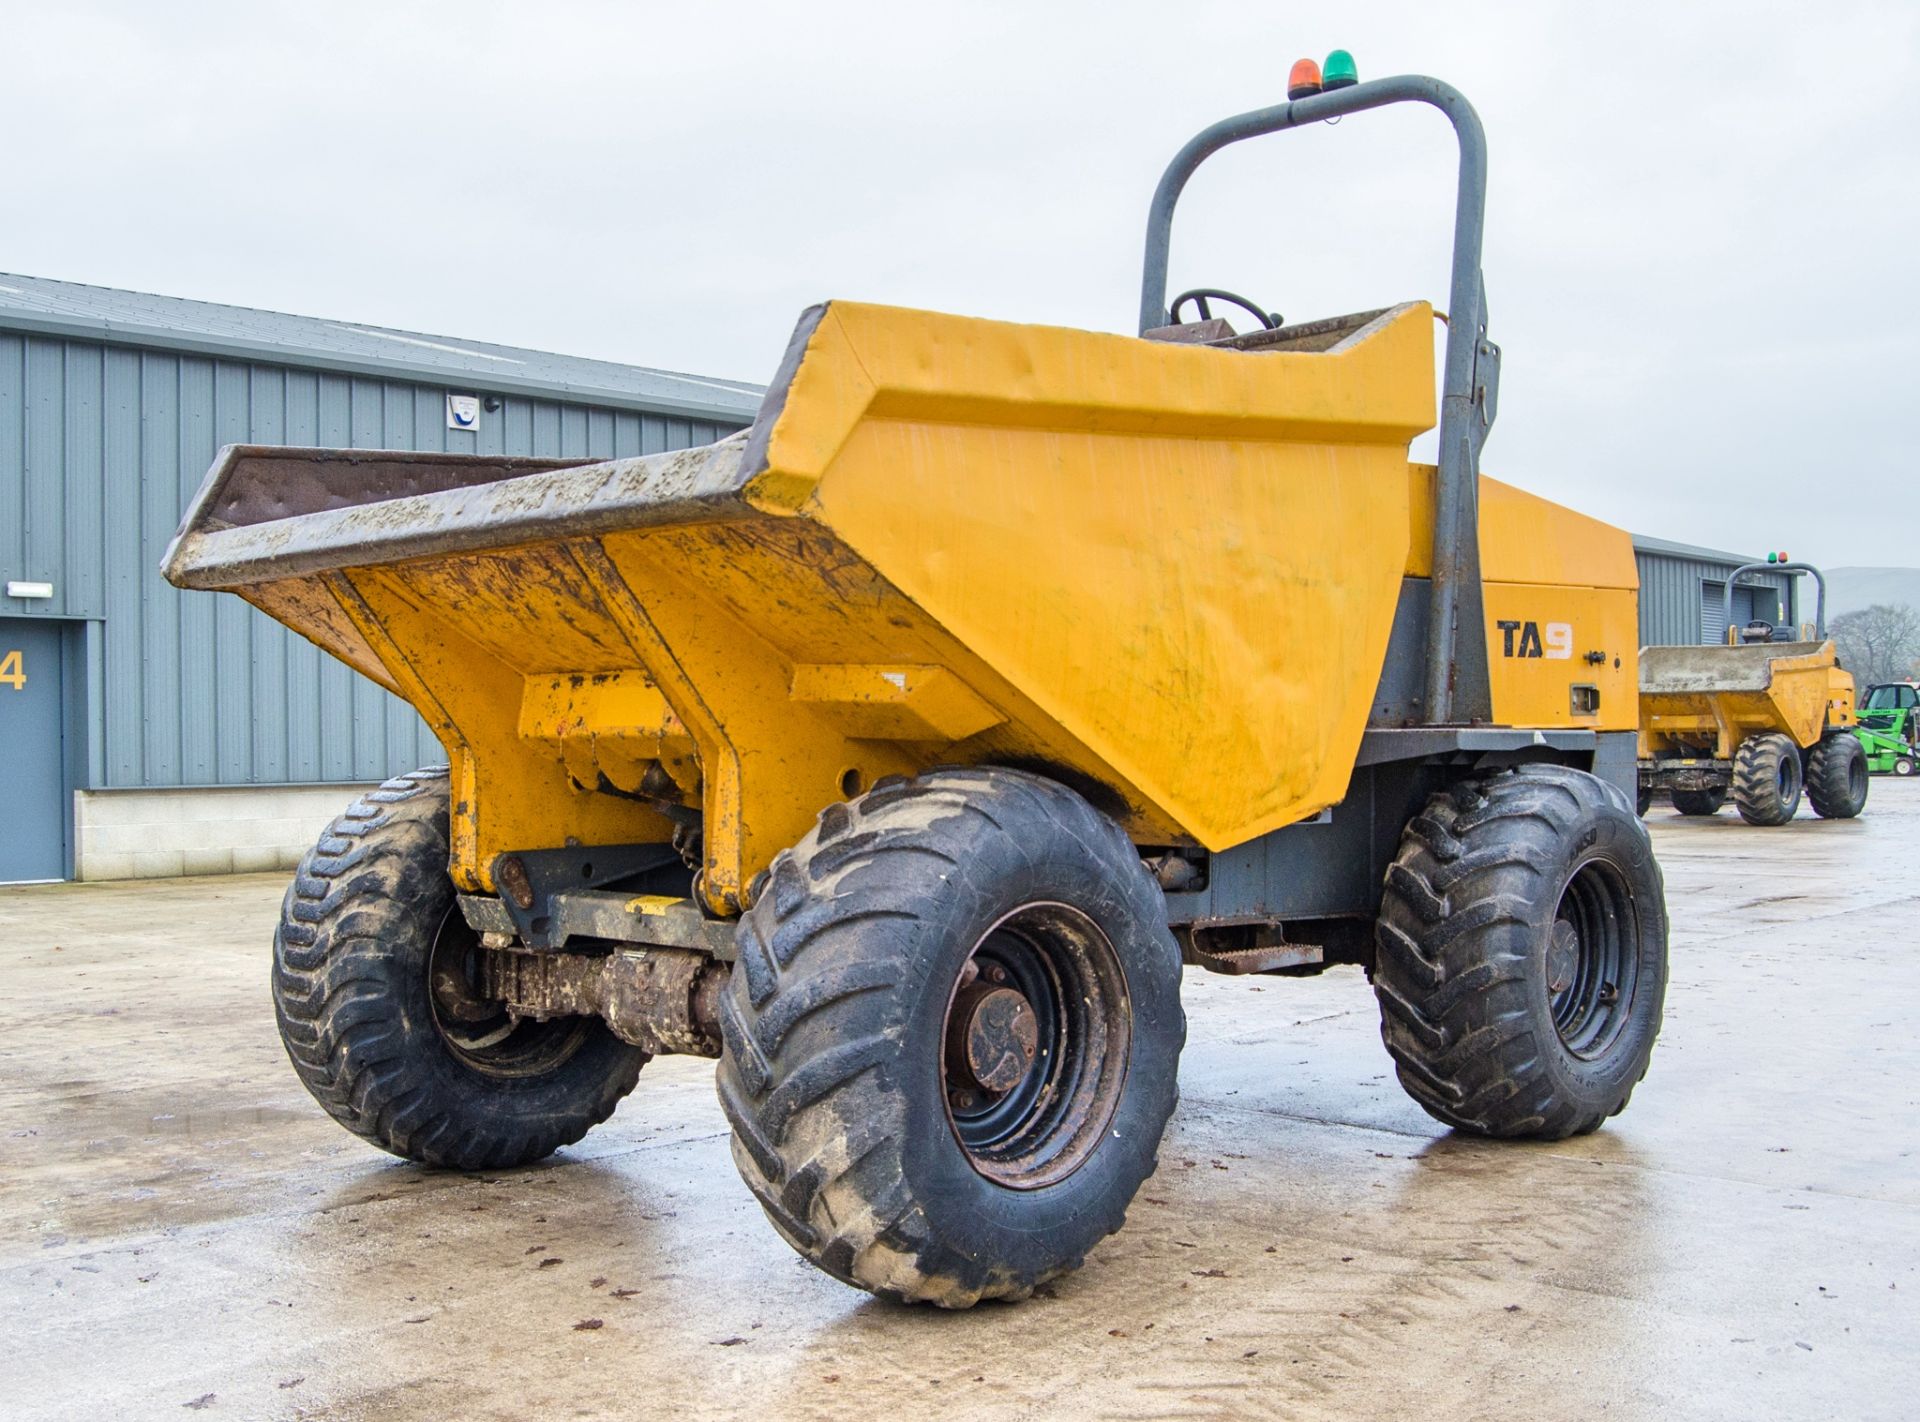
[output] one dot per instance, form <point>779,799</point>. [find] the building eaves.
<point>75,311</point>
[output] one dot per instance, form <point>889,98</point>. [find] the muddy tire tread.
<point>1453,1013</point>
<point>351,896</point>
<point>831,1187</point>
<point>1756,783</point>
<point>1829,769</point>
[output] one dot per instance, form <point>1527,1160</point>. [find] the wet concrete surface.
<point>182,1230</point>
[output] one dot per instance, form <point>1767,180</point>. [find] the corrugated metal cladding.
<point>102,444</point>
<point>1682,591</point>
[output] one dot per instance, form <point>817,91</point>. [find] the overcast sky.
<point>1701,238</point>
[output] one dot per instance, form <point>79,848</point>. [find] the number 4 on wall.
<point>13,671</point>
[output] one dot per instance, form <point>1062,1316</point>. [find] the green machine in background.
<point>1889,728</point>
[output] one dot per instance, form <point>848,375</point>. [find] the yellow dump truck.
<point>900,751</point>
<point>1761,718</point>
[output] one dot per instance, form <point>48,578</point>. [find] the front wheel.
<point>1522,954</point>
<point>952,1037</point>
<point>375,987</point>
<point>1836,774</point>
<point>1904,765</point>
<point>1767,779</point>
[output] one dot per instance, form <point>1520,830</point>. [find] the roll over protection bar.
<point>1820,601</point>
<point>1458,690</point>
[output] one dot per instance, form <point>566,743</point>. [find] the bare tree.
<point>1878,643</point>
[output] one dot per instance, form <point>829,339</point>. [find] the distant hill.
<point>1850,589</point>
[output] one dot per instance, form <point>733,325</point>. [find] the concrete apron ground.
<point>181,1227</point>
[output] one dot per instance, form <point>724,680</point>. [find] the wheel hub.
<point>1563,956</point>
<point>481,1030</point>
<point>1000,1037</point>
<point>455,998</point>
<point>1033,1052</point>
<point>1593,960</point>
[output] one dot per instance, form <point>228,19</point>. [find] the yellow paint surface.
<point>1167,570</point>
<point>1587,637</point>
<point>1804,695</point>
<point>1544,564</point>
<point>1157,544</point>
<point>654,905</point>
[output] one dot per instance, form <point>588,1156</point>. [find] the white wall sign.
<point>463,412</point>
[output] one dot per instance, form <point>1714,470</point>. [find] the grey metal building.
<point>151,731</point>
<point>1683,593</point>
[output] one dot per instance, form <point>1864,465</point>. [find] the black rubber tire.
<point>1643,801</point>
<point>1836,776</point>
<point>350,990</point>
<point>1472,901</point>
<point>1904,765</point>
<point>1700,802</point>
<point>1767,779</point>
<point>832,1025</point>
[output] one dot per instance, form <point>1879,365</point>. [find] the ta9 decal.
<point>1552,640</point>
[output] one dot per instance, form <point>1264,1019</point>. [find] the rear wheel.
<point>1700,802</point>
<point>1522,954</point>
<point>952,1037</point>
<point>1904,765</point>
<point>1767,779</point>
<point>375,982</point>
<point>1836,774</point>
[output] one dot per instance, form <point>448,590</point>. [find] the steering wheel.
<point>1201,295</point>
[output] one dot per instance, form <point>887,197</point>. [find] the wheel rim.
<point>479,1030</point>
<point>1593,960</point>
<point>1034,1046</point>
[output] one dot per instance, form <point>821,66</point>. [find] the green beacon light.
<point>1773,557</point>
<point>1339,72</point>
